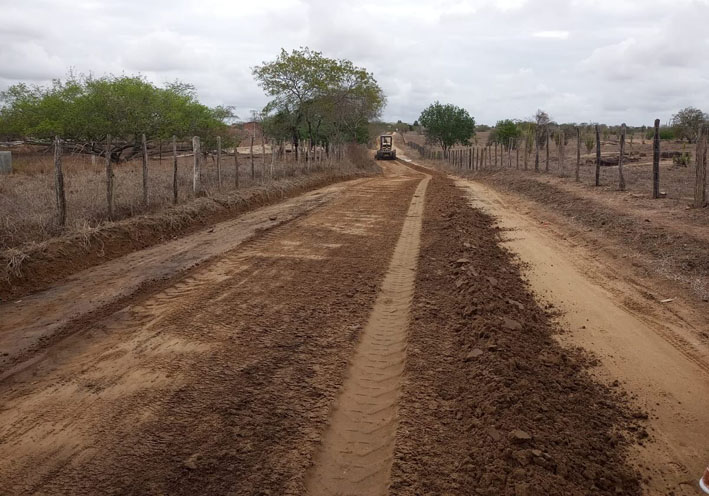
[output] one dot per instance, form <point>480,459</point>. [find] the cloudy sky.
<point>580,60</point>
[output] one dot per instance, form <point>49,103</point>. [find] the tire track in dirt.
<point>357,451</point>
<point>220,383</point>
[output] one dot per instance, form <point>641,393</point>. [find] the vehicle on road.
<point>386,148</point>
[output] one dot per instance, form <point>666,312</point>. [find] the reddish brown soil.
<point>220,383</point>
<point>492,403</point>
<point>40,265</point>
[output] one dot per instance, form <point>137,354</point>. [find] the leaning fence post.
<point>656,161</point>
<point>174,169</point>
<point>700,184</point>
<point>196,172</point>
<point>59,182</point>
<point>219,162</point>
<point>598,156</point>
<point>621,178</point>
<point>578,154</point>
<point>109,178</point>
<point>145,171</point>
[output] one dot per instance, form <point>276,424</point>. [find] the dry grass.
<point>27,200</point>
<point>676,181</point>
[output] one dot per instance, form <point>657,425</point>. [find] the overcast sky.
<point>581,60</point>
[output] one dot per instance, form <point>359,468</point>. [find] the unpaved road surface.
<point>372,338</point>
<point>222,381</point>
<point>653,350</point>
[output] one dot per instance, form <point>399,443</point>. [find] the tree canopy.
<point>687,123</point>
<point>318,98</point>
<point>87,109</point>
<point>505,132</point>
<point>447,125</point>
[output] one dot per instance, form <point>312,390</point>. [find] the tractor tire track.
<point>357,451</point>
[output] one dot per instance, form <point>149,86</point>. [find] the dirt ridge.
<point>492,403</point>
<point>36,266</point>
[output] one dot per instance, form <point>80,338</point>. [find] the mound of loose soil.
<point>36,266</point>
<point>492,403</point>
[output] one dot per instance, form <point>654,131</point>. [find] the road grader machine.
<point>386,148</point>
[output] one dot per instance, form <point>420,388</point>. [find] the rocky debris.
<point>519,436</point>
<point>473,354</point>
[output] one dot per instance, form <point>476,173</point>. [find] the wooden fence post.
<point>517,153</point>
<point>621,178</point>
<point>109,178</point>
<point>251,153</point>
<point>700,186</point>
<point>561,152</point>
<point>495,166</point>
<point>263,156</point>
<point>145,171</point>
<point>219,162</point>
<point>236,165</point>
<point>274,150</point>
<point>59,182</point>
<point>196,172</point>
<point>546,164</point>
<point>578,154</point>
<point>174,169</point>
<point>598,156</point>
<point>656,161</point>
<point>536,152</point>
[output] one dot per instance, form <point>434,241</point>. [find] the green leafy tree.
<point>447,125</point>
<point>84,110</point>
<point>687,123</point>
<point>506,132</point>
<point>320,98</point>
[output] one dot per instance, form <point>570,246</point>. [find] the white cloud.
<point>557,35</point>
<point>581,60</point>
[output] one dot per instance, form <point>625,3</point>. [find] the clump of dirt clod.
<point>492,404</point>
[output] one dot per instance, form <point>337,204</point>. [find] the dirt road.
<point>654,351</point>
<point>221,381</point>
<point>372,337</point>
